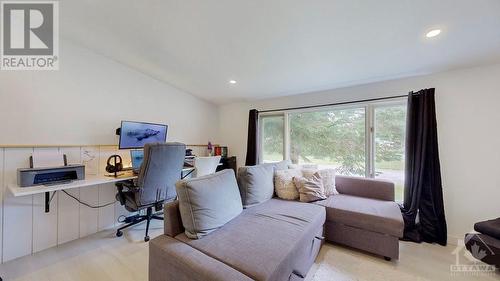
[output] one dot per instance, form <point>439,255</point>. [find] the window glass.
<point>272,140</point>
<point>390,125</point>
<point>334,138</point>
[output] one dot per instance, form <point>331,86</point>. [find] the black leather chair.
<point>485,245</point>
<point>160,170</point>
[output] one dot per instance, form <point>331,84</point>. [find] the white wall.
<point>469,140</point>
<point>25,228</point>
<point>85,100</point>
<point>81,104</point>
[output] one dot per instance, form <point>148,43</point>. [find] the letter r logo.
<point>28,29</point>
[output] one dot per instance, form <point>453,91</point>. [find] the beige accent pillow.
<point>310,189</point>
<point>328,177</point>
<point>283,183</point>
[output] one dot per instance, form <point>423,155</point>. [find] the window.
<point>362,140</point>
<point>271,138</point>
<point>331,139</point>
<point>390,129</point>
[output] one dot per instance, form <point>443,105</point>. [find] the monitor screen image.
<point>134,135</point>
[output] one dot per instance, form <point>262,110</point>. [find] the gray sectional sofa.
<point>275,239</point>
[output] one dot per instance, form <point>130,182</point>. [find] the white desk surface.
<point>88,181</point>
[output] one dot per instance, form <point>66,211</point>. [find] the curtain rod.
<point>332,104</point>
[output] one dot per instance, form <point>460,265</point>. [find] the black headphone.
<point>117,166</point>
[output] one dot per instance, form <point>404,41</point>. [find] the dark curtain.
<point>253,138</point>
<point>423,209</point>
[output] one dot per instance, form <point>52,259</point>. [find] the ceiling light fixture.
<point>433,33</point>
<point>232,81</point>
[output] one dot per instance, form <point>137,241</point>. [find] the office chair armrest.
<point>124,184</point>
<point>130,185</point>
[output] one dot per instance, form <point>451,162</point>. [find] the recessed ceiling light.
<point>433,33</point>
<point>232,81</point>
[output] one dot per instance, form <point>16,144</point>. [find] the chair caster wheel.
<point>387,258</point>
<point>146,239</point>
<point>119,233</point>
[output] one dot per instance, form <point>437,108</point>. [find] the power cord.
<point>87,204</point>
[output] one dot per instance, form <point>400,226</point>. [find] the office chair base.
<point>136,219</point>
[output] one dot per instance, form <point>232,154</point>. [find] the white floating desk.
<point>88,181</point>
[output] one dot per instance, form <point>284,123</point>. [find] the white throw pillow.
<point>327,176</point>
<point>283,183</point>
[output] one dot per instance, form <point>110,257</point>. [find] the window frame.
<point>370,133</point>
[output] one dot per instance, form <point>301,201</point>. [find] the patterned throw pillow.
<point>328,177</point>
<point>310,189</point>
<point>283,183</point>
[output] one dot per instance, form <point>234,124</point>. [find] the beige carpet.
<point>104,257</point>
<point>417,262</point>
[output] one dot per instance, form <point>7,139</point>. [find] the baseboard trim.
<point>455,240</point>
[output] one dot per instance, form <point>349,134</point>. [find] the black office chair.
<point>160,170</point>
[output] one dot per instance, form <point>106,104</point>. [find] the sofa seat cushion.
<point>489,227</point>
<point>268,241</point>
<point>365,213</point>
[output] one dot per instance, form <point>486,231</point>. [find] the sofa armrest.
<point>171,259</point>
<point>364,187</point>
<point>172,223</point>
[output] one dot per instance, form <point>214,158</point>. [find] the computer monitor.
<point>134,135</point>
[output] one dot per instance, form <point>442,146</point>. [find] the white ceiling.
<point>283,47</point>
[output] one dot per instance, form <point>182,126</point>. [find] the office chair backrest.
<point>206,165</point>
<point>160,170</point>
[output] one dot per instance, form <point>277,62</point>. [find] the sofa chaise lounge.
<point>276,240</point>
<point>279,239</point>
<point>364,216</point>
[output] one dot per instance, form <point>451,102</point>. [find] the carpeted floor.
<point>103,257</point>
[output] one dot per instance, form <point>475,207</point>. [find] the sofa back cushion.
<point>256,184</point>
<point>281,165</point>
<point>364,187</point>
<point>207,203</point>
<point>303,166</point>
